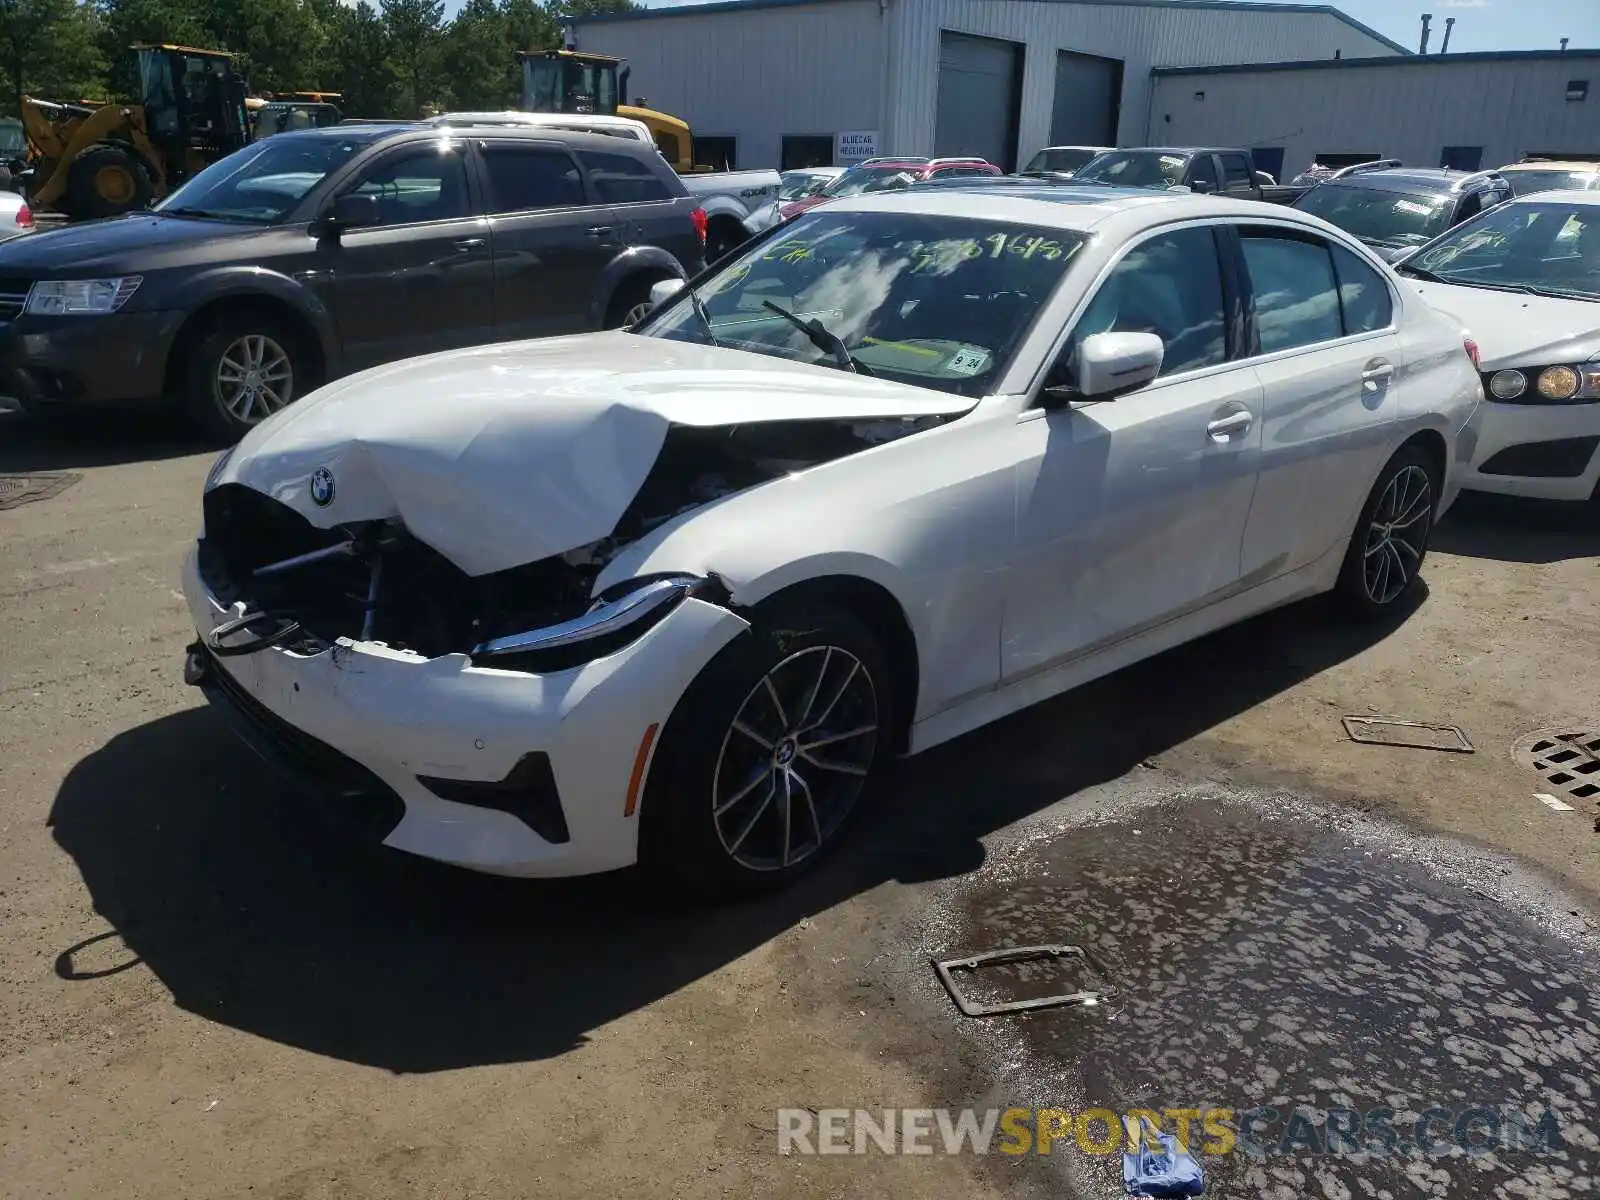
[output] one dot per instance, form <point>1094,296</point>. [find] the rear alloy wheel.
<point>1391,539</point>
<point>768,754</point>
<point>245,369</point>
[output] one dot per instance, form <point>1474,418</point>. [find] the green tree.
<point>590,8</point>
<point>414,33</point>
<point>479,58</point>
<point>50,48</point>
<point>356,63</point>
<point>280,42</point>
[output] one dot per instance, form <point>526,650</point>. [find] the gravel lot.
<point>208,991</point>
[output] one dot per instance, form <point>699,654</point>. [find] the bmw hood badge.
<point>322,487</point>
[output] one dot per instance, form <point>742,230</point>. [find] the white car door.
<point>1131,511</point>
<point>1330,363</point>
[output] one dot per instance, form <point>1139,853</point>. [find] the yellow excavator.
<point>98,160</point>
<point>568,81</point>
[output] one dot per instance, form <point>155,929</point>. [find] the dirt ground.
<point>205,991</point>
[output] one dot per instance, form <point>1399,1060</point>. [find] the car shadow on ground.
<point>254,914</point>
<point>1511,529</point>
<point>65,442</point>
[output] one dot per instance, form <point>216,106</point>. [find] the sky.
<point>1480,24</point>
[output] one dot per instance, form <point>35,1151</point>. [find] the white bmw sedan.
<point>1527,276</point>
<point>910,463</point>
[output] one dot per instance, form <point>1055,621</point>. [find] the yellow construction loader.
<point>98,160</point>
<point>572,82</point>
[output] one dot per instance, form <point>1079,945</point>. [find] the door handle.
<point>469,243</point>
<point>1223,428</point>
<point>598,230</point>
<point>1378,371</point>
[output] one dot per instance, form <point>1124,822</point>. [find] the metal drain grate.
<point>16,490</point>
<point>1569,761</point>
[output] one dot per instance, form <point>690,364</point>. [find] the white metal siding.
<point>1410,112</point>
<point>759,74</point>
<point>1143,36</point>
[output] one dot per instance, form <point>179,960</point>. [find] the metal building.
<point>798,82</point>
<point>1467,111</point>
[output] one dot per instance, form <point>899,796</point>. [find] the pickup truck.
<point>1206,169</point>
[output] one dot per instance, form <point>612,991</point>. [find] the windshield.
<point>265,181</point>
<point>1546,247</point>
<point>870,179</point>
<point>1525,183</point>
<point>1137,169</point>
<point>796,185</point>
<point>1378,215</point>
<point>940,302</point>
<point>1059,158</point>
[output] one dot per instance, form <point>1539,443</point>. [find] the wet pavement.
<point>1384,1015</point>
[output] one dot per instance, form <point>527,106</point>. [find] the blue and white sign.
<point>854,147</point>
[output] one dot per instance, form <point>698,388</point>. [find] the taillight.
<point>25,217</point>
<point>1471,348</point>
<point>701,223</point>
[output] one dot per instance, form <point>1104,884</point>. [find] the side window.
<point>1169,285</point>
<point>1296,296</point>
<point>1469,207</point>
<point>523,178</point>
<point>621,179</point>
<point>1203,170</point>
<point>1363,295</point>
<point>1237,172</point>
<point>423,185</point>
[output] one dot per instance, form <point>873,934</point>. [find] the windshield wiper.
<point>207,214</point>
<point>822,338</point>
<point>700,311</point>
<point>1425,276</point>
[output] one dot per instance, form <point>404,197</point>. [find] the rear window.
<point>522,178</point>
<point>1379,215</point>
<point>621,179</point>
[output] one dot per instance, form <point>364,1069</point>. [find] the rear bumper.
<point>1540,451</point>
<point>50,361</point>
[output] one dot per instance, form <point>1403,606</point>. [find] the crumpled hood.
<point>505,454</point>
<point>1515,330</point>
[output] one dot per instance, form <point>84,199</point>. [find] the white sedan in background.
<point>1526,277</point>
<point>675,594</point>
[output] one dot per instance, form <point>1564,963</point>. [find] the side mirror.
<point>1201,187</point>
<point>1110,364</point>
<point>354,210</point>
<point>663,290</point>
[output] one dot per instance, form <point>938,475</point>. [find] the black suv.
<point>313,254</point>
<point>1395,209</point>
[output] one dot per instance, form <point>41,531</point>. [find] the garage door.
<point>1088,93</point>
<point>978,98</point>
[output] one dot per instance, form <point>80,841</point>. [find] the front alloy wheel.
<point>254,378</point>
<point>795,758</point>
<point>1397,536</point>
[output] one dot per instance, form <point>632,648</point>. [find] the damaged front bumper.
<point>493,767</point>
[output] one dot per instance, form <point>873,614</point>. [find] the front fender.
<point>623,267</point>
<point>237,281</point>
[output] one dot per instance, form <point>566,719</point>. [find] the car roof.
<point>413,132</point>
<point>1411,179</point>
<point>1585,196</point>
<point>1576,167</point>
<point>1179,150</point>
<point>1063,206</point>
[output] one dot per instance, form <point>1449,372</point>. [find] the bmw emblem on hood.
<point>322,487</point>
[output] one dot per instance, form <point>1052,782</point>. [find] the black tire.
<point>814,654</point>
<point>238,336</point>
<point>630,301</point>
<point>87,177</point>
<point>1390,542</point>
<point>724,235</point>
